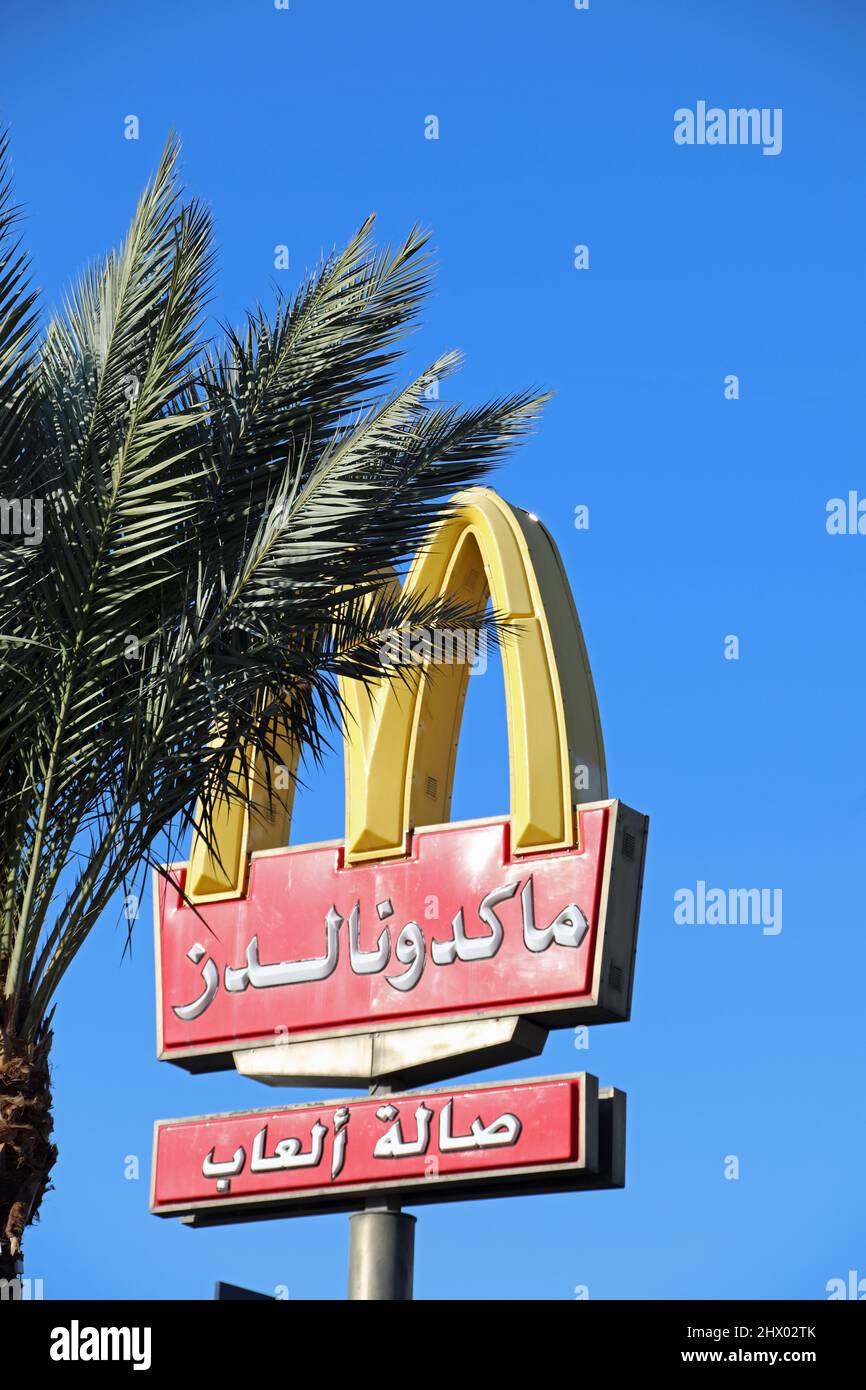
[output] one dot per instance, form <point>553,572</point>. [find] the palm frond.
<point>220,521</point>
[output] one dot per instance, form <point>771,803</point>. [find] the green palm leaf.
<point>219,521</point>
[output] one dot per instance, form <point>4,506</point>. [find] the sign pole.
<point>381,1254</point>
<point>381,1247</point>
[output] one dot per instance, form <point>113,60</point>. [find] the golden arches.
<point>401,752</point>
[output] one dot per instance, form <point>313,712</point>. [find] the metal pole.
<point>381,1248</point>
<point>381,1254</point>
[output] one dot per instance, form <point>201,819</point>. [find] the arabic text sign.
<point>458,929</point>
<point>427,1146</point>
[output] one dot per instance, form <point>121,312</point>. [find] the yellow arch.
<point>401,755</point>
<point>237,833</point>
<point>400,767</point>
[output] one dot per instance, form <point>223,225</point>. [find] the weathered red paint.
<point>557,1142</point>
<point>449,867</point>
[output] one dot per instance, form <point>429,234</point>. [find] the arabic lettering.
<point>287,972</point>
<point>211,976</point>
<point>506,1130</point>
<point>568,929</point>
<point>289,1154</point>
<point>411,950</point>
<point>463,947</point>
<point>367,962</point>
<point>226,1168</point>
<point>392,1144</point>
<point>341,1134</point>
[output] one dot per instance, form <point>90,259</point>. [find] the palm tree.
<point>197,540</point>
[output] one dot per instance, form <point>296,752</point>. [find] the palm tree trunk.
<point>27,1154</point>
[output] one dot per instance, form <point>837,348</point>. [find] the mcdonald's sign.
<point>412,923</point>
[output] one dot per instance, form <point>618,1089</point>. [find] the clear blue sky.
<point>707,518</point>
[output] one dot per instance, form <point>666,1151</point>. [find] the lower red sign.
<point>500,1139</point>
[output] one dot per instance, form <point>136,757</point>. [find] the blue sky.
<point>707,519</point>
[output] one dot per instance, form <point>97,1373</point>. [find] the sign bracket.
<point>406,1056</point>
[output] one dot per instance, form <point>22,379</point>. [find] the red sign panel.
<point>457,930</point>
<point>490,1140</point>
